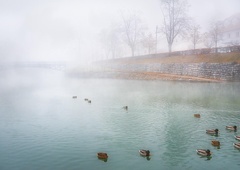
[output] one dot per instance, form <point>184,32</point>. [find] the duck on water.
<point>233,128</point>
<point>102,155</point>
<point>236,145</point>
<point>237,137</point>
<point>204,152</point>
<point>143,152</point>
<point>212,131</point>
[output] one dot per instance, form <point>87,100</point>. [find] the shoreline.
<point>142,76</point>
<point>220,67</point>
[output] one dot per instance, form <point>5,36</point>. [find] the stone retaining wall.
<point>226,71</point>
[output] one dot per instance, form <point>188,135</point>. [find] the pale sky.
<point>68,30</point>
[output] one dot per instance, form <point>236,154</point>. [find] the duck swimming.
<point>215,143</point>
<point>231,128</point>
<point>197,115</point>
<point>236,145</point>
<point>102,155</point>
<point>212,131</point>
<point>144,152</point>
<point>237,137</point>
<point>203,152</point>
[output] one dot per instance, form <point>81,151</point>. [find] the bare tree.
<point>110,41</point>
<point>149,42</point>
<point>207,41</point>
<point>104,43</point>
<point>195,36</point>
<point>234,43</point>
<point>215,34</point>
<point>132,29</point>
<point>174,19</point>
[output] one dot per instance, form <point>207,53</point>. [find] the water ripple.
<point>57,132</point>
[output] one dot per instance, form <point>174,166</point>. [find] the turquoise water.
<point>43,127</point>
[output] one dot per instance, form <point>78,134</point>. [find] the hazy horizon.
<point>51,30</point>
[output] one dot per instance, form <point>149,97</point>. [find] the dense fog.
<point>77,31</point>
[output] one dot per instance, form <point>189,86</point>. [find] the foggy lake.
<point>47,121</point>
<point>43,127</point>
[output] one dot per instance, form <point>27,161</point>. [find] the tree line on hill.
<point>131,33</point>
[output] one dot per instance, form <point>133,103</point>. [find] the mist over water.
<point>43,127</point>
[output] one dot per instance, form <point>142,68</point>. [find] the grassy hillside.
<point>204,58</point>
<point>233,57</point>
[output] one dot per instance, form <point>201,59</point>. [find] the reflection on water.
<point>43,127</point>
<point>206,158</point>
<point>148,158</point>
<point>104,160</point>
